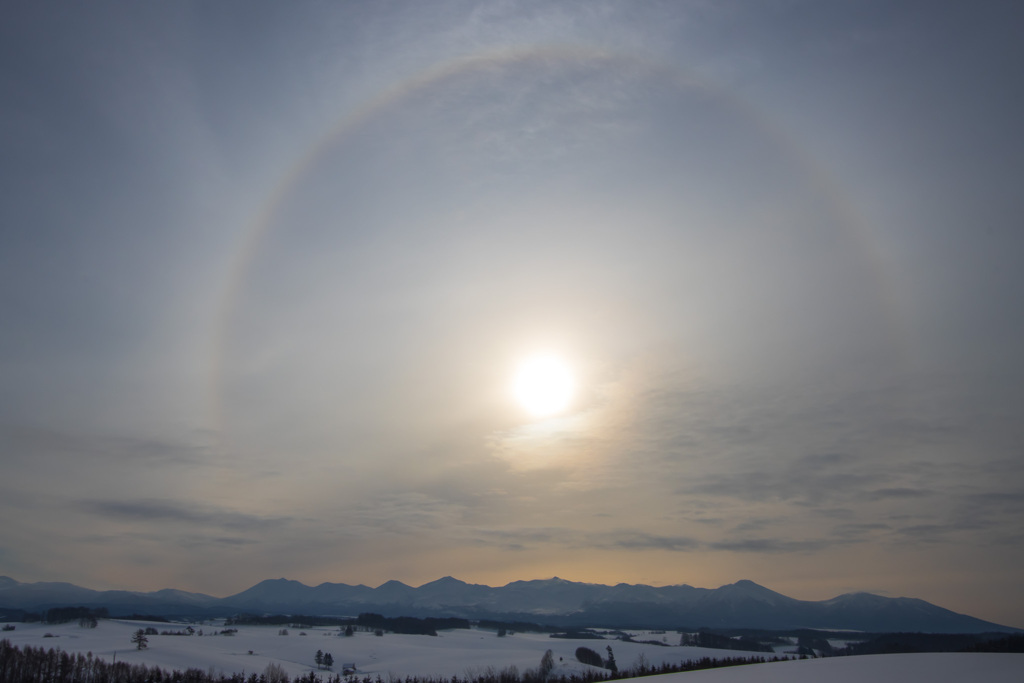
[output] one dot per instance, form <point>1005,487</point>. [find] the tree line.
<point>428,626</point>
<point>62,615</point>
<point>721,642</point>
<point>890,643</point>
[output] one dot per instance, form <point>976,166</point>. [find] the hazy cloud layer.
<point>267,274</point>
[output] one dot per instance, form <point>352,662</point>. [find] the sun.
<point>543,385</point>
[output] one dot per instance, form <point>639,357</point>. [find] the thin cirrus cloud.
<point>177,512</point>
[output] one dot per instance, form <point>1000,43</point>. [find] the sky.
<point>268,271</point>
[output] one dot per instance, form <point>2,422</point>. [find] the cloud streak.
<point>177,512</point>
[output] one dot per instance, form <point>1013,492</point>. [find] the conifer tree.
<point>140,640</point>
<point>610,663</point>
<point>547,664</point>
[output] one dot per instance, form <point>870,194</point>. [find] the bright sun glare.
<point>543,385</point>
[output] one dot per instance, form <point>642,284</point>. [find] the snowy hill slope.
<point>942,667</point>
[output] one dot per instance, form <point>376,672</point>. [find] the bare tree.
<point>275,673</point>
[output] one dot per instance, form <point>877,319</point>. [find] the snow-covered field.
<point>939,667</point>
<point>455,652</point>
<point>462,652</point>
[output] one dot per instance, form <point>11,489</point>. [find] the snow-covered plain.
<point>937,667</point>
<point>455,652</point>
<point>463,652</point>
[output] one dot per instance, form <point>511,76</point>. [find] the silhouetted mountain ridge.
<point>744,604</point>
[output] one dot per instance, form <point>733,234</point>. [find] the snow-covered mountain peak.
<point>857,598</point>
<point>445,581</point>
<point>747,587</point>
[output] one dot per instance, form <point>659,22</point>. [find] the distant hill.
<point>41,596</point>
<point>743,604</point>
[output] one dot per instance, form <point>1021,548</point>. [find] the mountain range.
<point>555,601</point>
